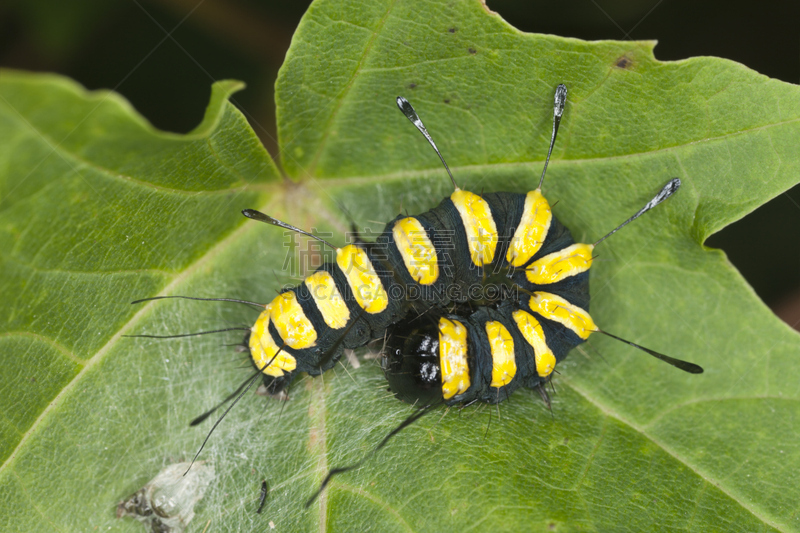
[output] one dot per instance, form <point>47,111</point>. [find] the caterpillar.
<point>477,297</point>
<point>447,256</point>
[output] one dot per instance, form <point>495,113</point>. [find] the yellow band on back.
<point>478,224</point>
<point>417,250</point>
<point>532,229</point>
<point>453,357</point>
<point>554,267</point>
<point>292,324</point>
<point>531,329</point>
<point>501,344</point>
<point>559,310</point>
<point>328,299</point>
<point>267,356</point>
<point>364,282</point>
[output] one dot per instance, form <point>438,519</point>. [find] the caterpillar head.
<point>411,363</point>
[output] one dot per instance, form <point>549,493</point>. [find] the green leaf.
<point>98,209</point>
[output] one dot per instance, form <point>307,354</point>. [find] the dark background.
<point>162,55</point>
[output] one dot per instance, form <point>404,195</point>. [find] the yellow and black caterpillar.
<point>501,288</point>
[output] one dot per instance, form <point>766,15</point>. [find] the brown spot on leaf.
<point>623,62</point>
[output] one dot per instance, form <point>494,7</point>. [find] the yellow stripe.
<point>263,349</point>
<point>292,324</point>
<point>532,229</point>
<point>364,282</point>
<point>328,299</point>
<point>417,250</point>
<point>558,309</point>
<point>504,365</point>
<point>554,267</point>
<point>478,224</point>
<point>453,357</point>
<point>531,329</point>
